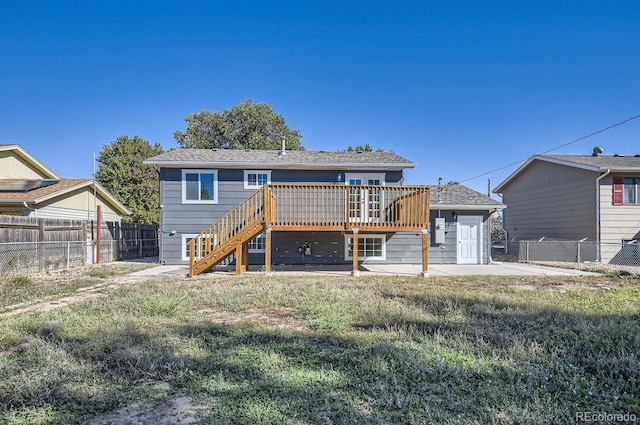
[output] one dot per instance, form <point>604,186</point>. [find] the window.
<point>254,179</point>
<point>185,246</point>
<point>625,191</point>
<point>370,247</point>
<point>205,244</point>
<point>257,245</point>
<point>199,186</point>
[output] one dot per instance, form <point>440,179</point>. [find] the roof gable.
<point>28,160</point>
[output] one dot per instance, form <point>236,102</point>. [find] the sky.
<point>461,88</point>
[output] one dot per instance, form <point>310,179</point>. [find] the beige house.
<point>574,197</point>
<point>30,188</point>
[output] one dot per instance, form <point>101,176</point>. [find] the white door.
<point>469,239</point>
<point>364,203</point>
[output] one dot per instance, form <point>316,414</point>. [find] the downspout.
<point>35,211</point>
<point>599,253</point>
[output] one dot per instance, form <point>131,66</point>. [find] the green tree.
<point>122,173</point>
<point>248,125</point>
<point>366,148</point>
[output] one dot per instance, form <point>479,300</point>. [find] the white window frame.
<point>183,250</point>
<point>360,237</point>
<point>255,241</point>
<point>185,236</point>
<point>199,172</point>
<point>364,177</point>
<point>255,186</point>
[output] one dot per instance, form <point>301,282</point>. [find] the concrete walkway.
<point>503,269</point>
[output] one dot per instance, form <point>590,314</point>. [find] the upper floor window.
<point>626,190</point>
<point>199,186</point>
<point>254,179</point>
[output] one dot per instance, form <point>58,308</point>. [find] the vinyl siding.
<point>13,167</point>
<point>551,200</point>
<point>617,222</point>
<point>193,218</point>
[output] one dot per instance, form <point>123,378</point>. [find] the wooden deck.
<point>295,207</point>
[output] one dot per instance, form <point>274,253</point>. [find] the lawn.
<point>329,350</point>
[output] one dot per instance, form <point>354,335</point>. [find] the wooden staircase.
<point>230,234</point>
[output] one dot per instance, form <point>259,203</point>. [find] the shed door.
<point>469,239</point>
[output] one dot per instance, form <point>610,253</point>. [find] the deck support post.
<point>425,253</point>
<point>355,271</point>
<point>242,255</point>
<point>267,251</point>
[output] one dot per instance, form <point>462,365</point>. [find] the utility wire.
<point>554,149</point>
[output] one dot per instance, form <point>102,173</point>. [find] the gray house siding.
<point>188,219</point>
<point>551,200</point>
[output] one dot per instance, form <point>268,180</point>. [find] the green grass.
<point>333,350</point>
<point>19,289</point>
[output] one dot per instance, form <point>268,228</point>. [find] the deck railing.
<point>343,207</point>
<point>298,207</point>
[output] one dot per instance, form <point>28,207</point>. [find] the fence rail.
<point>582,251</point>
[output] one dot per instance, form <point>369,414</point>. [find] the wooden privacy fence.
<point>30,244</point>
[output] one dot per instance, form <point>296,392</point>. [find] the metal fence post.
<point>579,251</point>
<point>527,250</point>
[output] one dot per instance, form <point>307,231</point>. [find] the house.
<point>310,207</point>
<point>575,197</point>
<point>30,188</point>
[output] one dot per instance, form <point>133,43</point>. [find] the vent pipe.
<point>282,149</point>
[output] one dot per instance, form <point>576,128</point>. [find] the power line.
<point>554,149</point>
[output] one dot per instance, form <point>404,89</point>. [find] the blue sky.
<point>459,87</point>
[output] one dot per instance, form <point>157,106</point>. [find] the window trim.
<point>366,176</point>
<point>256,186</point>
<point>199,172</point>
<point>183,250</point>
<point>366,235</point>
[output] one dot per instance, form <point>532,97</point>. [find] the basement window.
<point>370,247</point>
<point>258,244</point>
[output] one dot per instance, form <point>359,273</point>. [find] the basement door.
<point>469,237</point>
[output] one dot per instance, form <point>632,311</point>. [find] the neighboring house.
<point>575,197</point>
<point>317,205</point>
<point>29,188</point>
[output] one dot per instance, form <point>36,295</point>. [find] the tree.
<point>122,173</point>
<point>248,125</point>
<point>359,148</point>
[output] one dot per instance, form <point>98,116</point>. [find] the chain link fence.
<point>25,258</point>
<point>626,253</point>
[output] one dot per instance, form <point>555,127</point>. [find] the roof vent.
<point>597,151</point>
<point>619,155</point>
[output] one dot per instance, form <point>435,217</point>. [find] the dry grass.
<point>329,350</point>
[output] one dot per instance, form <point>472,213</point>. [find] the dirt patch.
<point>181,410</point>
<point>281,317</point>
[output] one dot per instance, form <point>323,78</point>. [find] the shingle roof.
<point>613,163</point>
<point>60,188</point>
<point>603,161</point>
<point>457,195</point>
<point>235,158</point>
<point>33,195</point>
